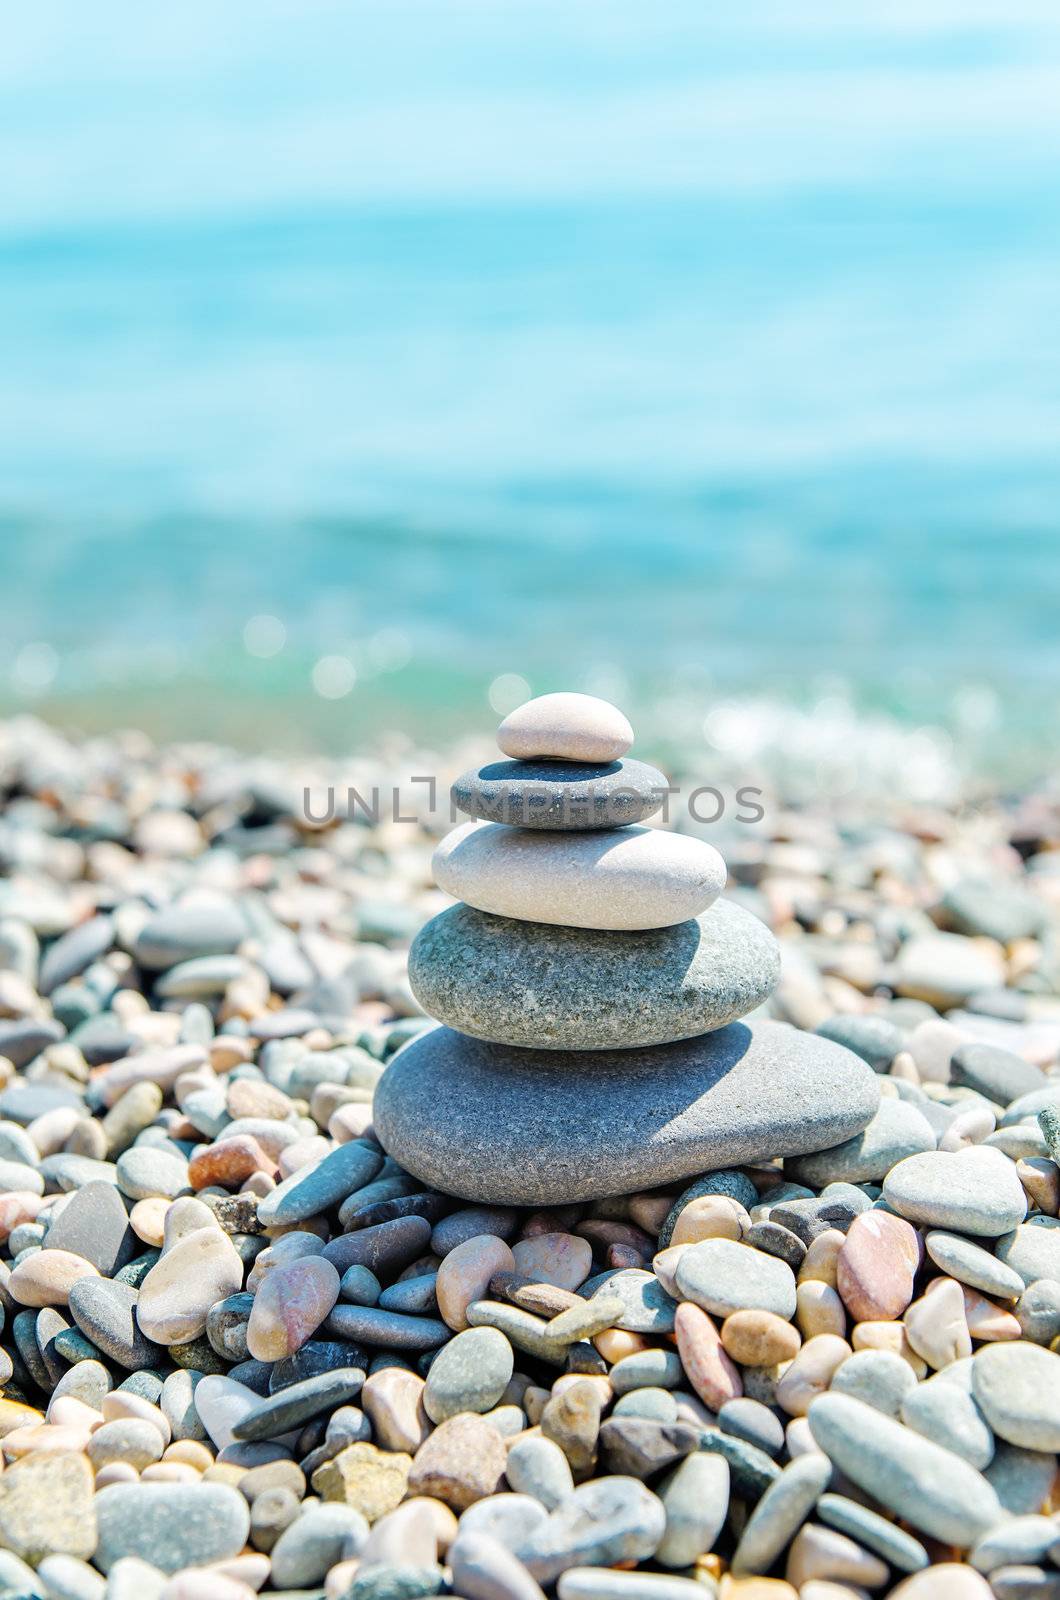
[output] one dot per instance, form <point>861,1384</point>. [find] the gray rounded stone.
<point>470,1373</point>
<point>182,932</point>
<point>314,1543</point>
<point>999,1074</point>
<point>976,1190</point>
<point>1038,1311</point>
<point>918,1480</point>
<point>969,1263</point>
<point>944,1409</point>
<point>170,1525</point>
<point>606,1521</point>
<point>561,796</point>
<point>879,1377</point>
<point>781,1512</point>
<point>896,1131</point>
<point>1018,1389</point>
<point>892,1543</point>
<point>874,1039</point>
<point>545,987</point>
<point>1021,1479</point>
<point>724,1276</point>
<point>94,1224</point>
<point>1033,1249</point>
<point>105,1311</point>
<point>535,1127</point>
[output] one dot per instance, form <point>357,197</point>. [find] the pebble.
<point>561,1259</point>
<point>780,1513</point>
<point>485,1568</point>
<point>1017,1386</point>
<point>971,1264</point>
<point>631,878</point>
<point>722,1276</point>
<point>640,1120</point>
<point>560,796</point>
<point>316,1188</point>
<point>320,1537</point>
<point>460,1462</point>
<point>105,1310</point>
<point>289,1306</point>
<point>973,1191</point>
<point>868,1528</point>
<point>295,1403</point>
<point>1033,1249</point>
<point>878,1377</point>
<point>918,1480</point>
<point>393,1399</point>
<point>481,974</point>
<point>873,1038</point>
<point>897,1130</point>
<point>537,1466</point>
<point>944,1410</point>
<point>759,1338</point>
<point>170,1525</point>
<point>46,1506</point>
<point>470,1373</point>
<point>177,1293</point>
<point>605,1522</point>
<point>565,727</point>
<point>998,1074</point>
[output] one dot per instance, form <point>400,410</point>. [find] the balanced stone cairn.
<point>590,985</point>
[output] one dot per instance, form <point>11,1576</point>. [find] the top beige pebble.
<point>565,727</point>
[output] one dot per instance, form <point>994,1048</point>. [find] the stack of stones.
<point>590,985</point>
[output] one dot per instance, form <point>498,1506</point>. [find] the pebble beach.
<point>553,1204</point>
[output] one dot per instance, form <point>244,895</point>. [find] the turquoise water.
<point>708,360</point>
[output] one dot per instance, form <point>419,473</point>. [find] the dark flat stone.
<point>561,796</point>
<point>290,1407</point>
<point>537,1127</point>
<point>94,1224</point>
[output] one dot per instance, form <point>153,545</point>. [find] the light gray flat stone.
<point>617,878</point>
<point>723,1276</point>
<point>561,796</point>
<point>1033,1249</point>
<point>1018,1389</point>
<point>976,1191</point>
<point>896,1131</point>
<point>918,1480</point>
<point>969,1263</point>
<point>556,988</point>
<point>537,1127</point>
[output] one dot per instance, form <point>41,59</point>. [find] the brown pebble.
<point>759,1338</point>
<point>462,1461</point>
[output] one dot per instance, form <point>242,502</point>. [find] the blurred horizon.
<point>359,358</point>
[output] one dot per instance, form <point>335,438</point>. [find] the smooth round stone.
<point>647,1308</point>
<point>105,1310</point>
<point>879,1377</point>
<point>45,1277</point>
<point>545,987</point>
<point>534,1127</point>
<point>390,1330</point>
<point>1038,1311</point>
<point>722,1276</point>
<point>314,1543</point>
<point>561,1259</point>
<point>655,1405</point>
<point>200,927</point>
<point>1021,1479</point>
<point>1033,1249</point>
<point>179,1290</point>
<point>945,968</point>
<point>746,1419</point>
<point>1018,1388</point>
<point>221,1402</point>
<point>558,796</point>
<point>695,1498</point>
<point>609,1520</point>
<point>874,1039</point>
<point>95,1224</point>
<point>507,1518</point>
<point>144,1171</point>
<point>470,1373</point>
<point>170,1525</point>
<point>781,1512</point>
<point>464,1275</point>
<point>460,1462</point>
<point>999,1074</point>
<point>630,878</point>
<point>998,909</point>
<point>538,1467</point>
<point>317,1188</point>
<point>565,727</point>
<point>876,1533</point>
<point>896,1131</point>
<point>647,1369</point>
<point>944,1410</point>
<point>593,1583</point>
<point>1024,1539</point>
<point>971,1264</point>
<point>975,1191</point>
<point>289,1306</point>
<point>918,1480</point>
